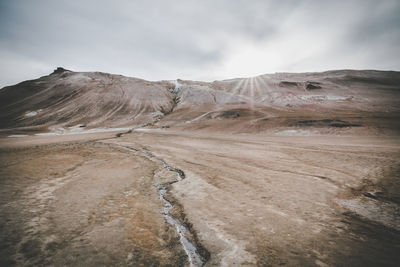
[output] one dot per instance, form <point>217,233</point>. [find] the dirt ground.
<point>255,200</point>
<point>266,200</point>
<point>82,204</point>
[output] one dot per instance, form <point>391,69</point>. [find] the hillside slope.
<point>74,100</point>
<point>338,102</point>
<point>65,98</point>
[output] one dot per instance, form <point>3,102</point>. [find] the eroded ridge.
<point>194,257</point>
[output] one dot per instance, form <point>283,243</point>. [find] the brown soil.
<point>82,204</point>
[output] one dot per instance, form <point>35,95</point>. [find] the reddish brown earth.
<point>280,169</point>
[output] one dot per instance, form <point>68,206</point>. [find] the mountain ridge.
<point>67,98</point>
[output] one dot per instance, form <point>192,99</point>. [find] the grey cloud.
<point>192,39</point>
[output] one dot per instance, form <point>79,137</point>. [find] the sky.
<point>198,40</point>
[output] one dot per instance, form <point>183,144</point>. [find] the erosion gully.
<point>194,257</point>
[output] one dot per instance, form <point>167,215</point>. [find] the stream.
<point>194,257</point>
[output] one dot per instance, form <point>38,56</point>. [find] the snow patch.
<point>293,132</point>
<point>30,113</point>
<point>143,130</point>
<point>325,97</point>
<point>79,129</point>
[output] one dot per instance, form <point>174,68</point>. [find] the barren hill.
<point>92,99</point>
<point>83,100</point>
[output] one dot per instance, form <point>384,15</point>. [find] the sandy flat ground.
<point>247,199</point>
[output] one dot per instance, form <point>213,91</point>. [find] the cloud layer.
<point>203,40</point>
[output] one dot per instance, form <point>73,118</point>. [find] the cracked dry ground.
<point>251,200</point>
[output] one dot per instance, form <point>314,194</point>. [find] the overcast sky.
<point>202,40</point>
